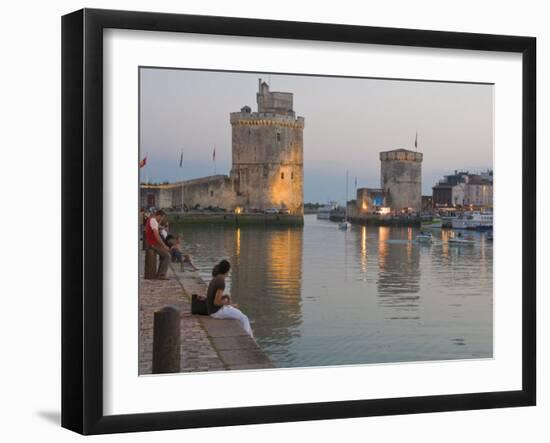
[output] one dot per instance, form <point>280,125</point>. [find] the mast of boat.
<point>346,202</point>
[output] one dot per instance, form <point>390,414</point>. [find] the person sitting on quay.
<point>174,243</point>
<point>163,229</point>
<point>219,304</point>
<point>155,242</point>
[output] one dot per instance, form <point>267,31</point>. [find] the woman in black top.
<point>219,304</point>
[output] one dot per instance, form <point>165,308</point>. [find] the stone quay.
<point>207,344</point>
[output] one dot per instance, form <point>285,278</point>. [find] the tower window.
<point>282,175</point>
<point>278,136</point>
<point>292,175</point>
<point>211,193</point>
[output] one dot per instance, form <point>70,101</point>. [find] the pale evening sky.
<point>347,123</point>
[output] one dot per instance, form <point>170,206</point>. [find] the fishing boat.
<point>434,222</point>
<point>424,237</point>
<point>345,224</point>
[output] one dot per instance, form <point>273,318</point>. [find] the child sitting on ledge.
<point>174,243</point>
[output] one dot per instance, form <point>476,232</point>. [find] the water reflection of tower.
<point>267,282</point>
<point>398,269</point>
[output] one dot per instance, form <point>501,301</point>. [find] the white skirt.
<point>232,313</point>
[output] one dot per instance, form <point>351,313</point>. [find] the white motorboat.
<point>424,237</point>
<point>345,225</point>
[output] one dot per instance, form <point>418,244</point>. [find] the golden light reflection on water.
<point>364,249</point>
<point>445,236</point>
<point>285,260</point>
<point>409,243</point>
<point>383,237</point>
<point>238,242</point>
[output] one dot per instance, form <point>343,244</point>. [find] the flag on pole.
<point>355,182</point>
<point>143,162</point>
<point>416,141</point>
<point>214,155</point>
<point>181,159</point>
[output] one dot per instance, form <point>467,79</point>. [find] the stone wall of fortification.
<point>401,179</point>
<point>268,160</point>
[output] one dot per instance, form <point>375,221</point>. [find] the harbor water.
<point>320,296</point>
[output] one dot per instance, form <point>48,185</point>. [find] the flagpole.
<point>147,172</point>
<point>214,158</point>
<point>182,183</point>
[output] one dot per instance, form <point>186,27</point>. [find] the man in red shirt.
<point>154,241</point>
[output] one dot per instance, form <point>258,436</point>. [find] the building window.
<point>278,136</point>
<point>282,175</point>
<point>292,175</point>
<point>211,193</point>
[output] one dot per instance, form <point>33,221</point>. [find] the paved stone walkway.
<point>206,344</point>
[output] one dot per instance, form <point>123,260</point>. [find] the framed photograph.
<point>269,221</point>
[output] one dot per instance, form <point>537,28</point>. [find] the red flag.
<point>143,162</point>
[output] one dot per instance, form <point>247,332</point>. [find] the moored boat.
<point>424,237</point>
<point>480,221</point>
<point>459,223</point>
<point>344,225</point>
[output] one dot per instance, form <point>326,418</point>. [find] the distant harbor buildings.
<point>464,189</point>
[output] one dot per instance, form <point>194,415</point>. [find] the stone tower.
<point>267,148</point>
<point>401,179</point>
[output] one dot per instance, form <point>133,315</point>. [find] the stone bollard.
<point>166,341</point>
<point>150,271</point>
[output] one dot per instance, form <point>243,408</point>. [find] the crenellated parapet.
<point>266,119</point>
<point>401,155</point>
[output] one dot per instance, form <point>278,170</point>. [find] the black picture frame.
<point>82,240</point>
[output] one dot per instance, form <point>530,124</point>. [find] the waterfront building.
<point>464,189</point>
<point>370,200</point>
<point>267,163</point>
